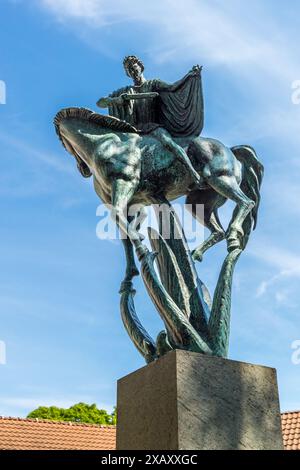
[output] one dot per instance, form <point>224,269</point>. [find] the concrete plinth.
<point>188,401</point>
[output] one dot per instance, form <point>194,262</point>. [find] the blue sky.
<point>58,283</point>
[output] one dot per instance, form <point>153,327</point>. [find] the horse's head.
<point>68,130</point>
<point>78,129</point>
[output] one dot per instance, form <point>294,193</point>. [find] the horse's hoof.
<point>234,234</point>
<point>233,244</point>
<point>131,273</point>
<point>197,255</point>
<point>192,187</point>
<point>141,250</point>
<point>127,287</point>
<point>196,185</point>
<point>134,272</point>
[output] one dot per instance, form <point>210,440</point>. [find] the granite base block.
<point>189,401</point>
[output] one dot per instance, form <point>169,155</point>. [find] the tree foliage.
<point>78,413</point>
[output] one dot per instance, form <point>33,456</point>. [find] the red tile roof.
<point>32,434</point>
<point>291,430</point>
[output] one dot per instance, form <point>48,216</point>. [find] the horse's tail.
<point>253,172</point>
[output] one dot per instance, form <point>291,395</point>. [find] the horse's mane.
<point>109,122</point>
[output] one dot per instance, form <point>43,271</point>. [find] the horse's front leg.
<point>131,268</point>
<point>122,193</point>
<point>135,221</point>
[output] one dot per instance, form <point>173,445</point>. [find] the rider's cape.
<point>179,110</point>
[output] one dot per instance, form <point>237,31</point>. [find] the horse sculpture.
<point>134,170</point>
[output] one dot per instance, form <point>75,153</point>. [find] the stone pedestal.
<point>188,401</point>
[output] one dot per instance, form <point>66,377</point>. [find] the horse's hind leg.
<point>169,143</point>
<point>217,235</point>
<point>229,188</point>
<point>211,201</point>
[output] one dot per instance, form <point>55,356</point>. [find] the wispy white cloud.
<point>288,202</point>
<point>40,171</point>
<point>26,150</point>
<point>244,39</point>
<point>286,260</point>
<point>286,263</point>
<point>218,33</point>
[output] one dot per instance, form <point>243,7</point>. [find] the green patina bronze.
<point>148,151</point>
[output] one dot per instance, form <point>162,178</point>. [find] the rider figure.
<point>163,110</point>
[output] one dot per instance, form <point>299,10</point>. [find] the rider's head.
<point>134,67</point>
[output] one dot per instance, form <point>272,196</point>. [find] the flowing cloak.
<point>179,108</point>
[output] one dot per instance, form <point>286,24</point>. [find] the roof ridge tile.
<point>49,421</point>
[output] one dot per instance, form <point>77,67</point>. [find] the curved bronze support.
<point>178,295</point>
<point>219,321</point>
<point>141,339</point>
<point>180,330</point>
